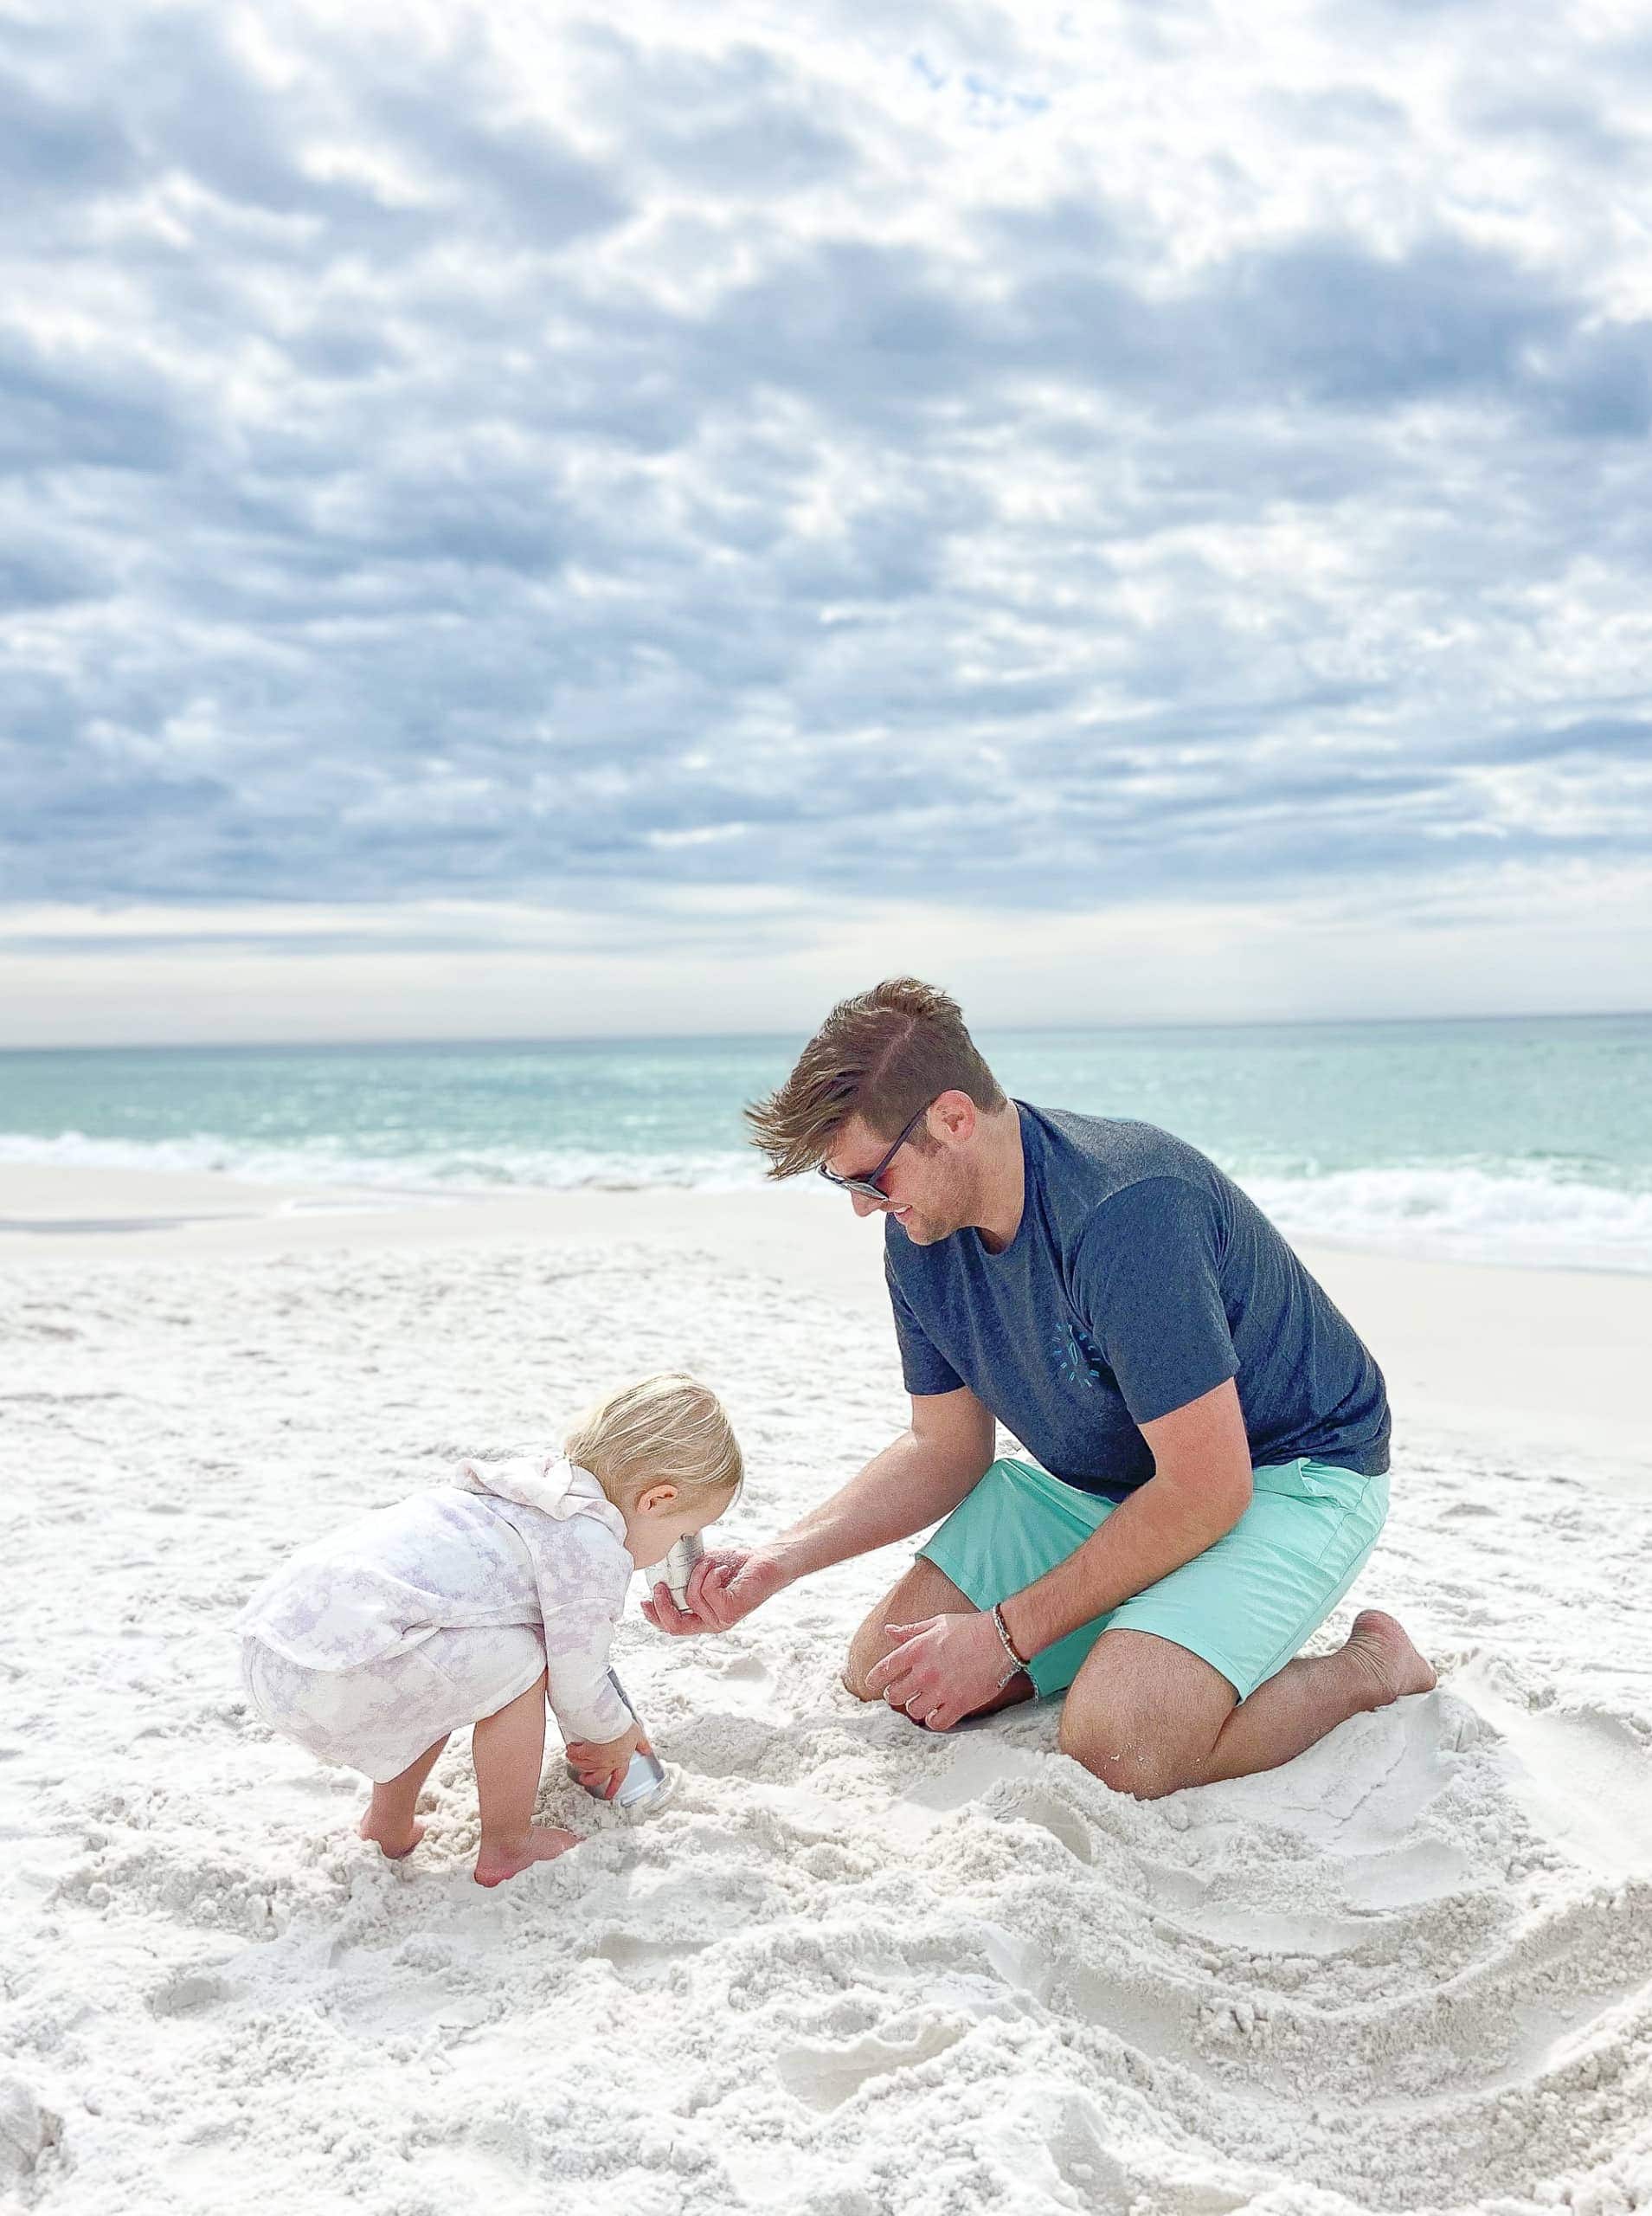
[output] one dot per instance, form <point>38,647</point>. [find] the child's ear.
<point>657,1496</point>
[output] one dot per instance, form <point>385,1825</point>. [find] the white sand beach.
<point>850,1968</point>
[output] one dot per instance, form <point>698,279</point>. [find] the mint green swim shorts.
<point>1245,1605</point>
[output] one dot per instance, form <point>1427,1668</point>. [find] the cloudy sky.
<point>518,525</point>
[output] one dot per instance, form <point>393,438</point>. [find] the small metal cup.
<point>674,1570</point>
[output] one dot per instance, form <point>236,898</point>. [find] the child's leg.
<point>388,1821</point>
<point>509,1751</point>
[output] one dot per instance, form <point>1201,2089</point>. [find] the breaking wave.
<point>1519,1213</point>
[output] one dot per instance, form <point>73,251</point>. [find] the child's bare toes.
<point>495,1864</point>
<point>396,1845</point>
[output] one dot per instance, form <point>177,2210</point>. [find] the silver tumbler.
<point>674,1570</point>
<point>644,1781</point>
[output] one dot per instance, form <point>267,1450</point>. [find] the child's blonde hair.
<point>664,1430</point>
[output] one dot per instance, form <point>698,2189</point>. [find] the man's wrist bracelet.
<point>1016,1661</point>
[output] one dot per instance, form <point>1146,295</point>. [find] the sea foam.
<point>1524,1215</point>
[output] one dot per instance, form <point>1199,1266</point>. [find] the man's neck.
<point>1002,1191</point>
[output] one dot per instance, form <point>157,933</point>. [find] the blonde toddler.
<point>478,1602</point>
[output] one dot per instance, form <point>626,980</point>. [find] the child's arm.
<point>582,1583</point>
<point>581,1693</point>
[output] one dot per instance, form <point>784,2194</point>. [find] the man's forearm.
<point>911,1484</point>
<point>1155,1531</point>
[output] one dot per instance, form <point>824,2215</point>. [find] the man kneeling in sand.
<point>1212,1438</point>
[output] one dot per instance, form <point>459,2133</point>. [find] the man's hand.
<point>943,1669</point>
<point>600,1764</point>
<point>723,1586</point>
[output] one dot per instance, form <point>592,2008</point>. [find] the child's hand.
<point>600,1764</point>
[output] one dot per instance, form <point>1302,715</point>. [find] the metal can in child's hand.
<point>646,1782</point>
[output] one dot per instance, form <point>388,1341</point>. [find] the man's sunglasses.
<point>868,1185</point>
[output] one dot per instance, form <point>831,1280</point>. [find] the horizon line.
<point>705,1038</point>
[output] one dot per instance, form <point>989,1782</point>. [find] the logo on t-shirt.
<point>1078,1362</point>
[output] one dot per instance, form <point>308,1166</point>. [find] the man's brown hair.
<point>882,1056</point>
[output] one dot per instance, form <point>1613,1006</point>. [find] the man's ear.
<point>956,1113</point>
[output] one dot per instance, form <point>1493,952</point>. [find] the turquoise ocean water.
<point>1520,1140</point>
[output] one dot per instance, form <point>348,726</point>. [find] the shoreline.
<point>1507,1356</point>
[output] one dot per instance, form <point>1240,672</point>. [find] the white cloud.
<point>1050,470</point>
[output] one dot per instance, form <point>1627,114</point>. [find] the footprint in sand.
<point>1007,1783</point>
<point>187,1992</point>
<point>825,2076</point>
<point>1078,2146</point>
<point>28,2130</point>
<point>739,1681</point>
<point>1064,1823</point>
<point>1581,1777</point>
<point>633,1956</point>
<point>1154,2016</point>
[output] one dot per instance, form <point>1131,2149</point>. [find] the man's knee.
<point>1143,1715</point>
<point>856,1665</point>
<point>1123,1752</point>
<point>923,1592</point>
<point>869,1645</point>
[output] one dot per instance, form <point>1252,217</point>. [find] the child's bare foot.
<point>397,1841</point>
<point>499,1859</point>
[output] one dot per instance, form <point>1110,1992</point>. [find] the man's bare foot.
<point>1385,1652</point>
<point>397,1842</point>
<point>496,1862</point>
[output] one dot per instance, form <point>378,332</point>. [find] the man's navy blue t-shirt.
<point>1139,1277</point>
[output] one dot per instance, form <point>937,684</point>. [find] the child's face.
<point>655,1524</point>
